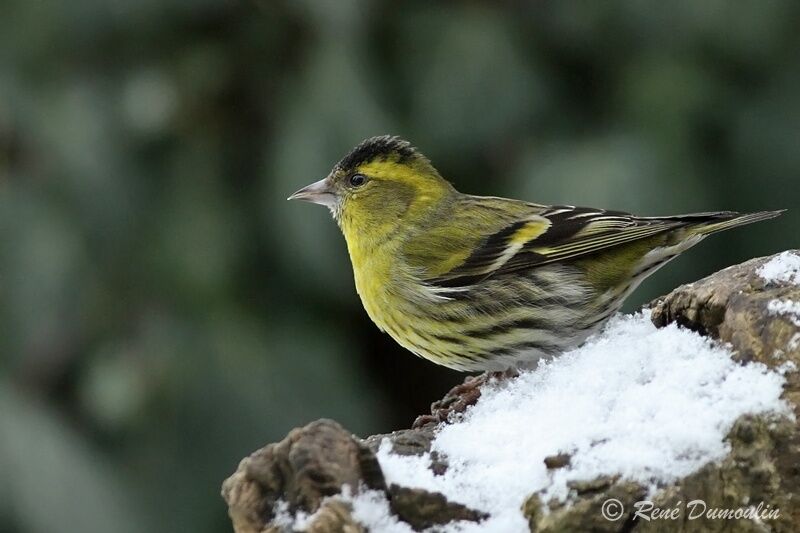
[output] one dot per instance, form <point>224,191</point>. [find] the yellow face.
<point>382,184</point>
<point>386,189</point>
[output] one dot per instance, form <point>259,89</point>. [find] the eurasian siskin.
<point>486,283</point>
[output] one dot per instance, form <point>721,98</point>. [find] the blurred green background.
<point>164,311</point>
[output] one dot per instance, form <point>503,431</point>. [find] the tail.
<point>708,223</point>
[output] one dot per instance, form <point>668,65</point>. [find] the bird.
<point>483,283</point>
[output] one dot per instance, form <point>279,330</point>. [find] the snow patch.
<point>794,342</point>
<point>787,308</point>
<point>786,367</point>
<point>652,405</point>
<point>783,268</point>
<point>371,509</point>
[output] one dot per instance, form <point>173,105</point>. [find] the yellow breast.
<point>373,277</point>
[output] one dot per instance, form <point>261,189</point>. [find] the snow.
<point>371,509</point>
<point>652,405</point>
<point>794,342</point>
<point>786,367</point>
<point>790,310</point>
<point>783,268</point>
<point>787,308</point>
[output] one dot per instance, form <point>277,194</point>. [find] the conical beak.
<point>319,192</point>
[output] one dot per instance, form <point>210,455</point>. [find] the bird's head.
<point>381,183</point>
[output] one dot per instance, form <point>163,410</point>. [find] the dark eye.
<point>357,180</point>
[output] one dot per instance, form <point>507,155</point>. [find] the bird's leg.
<point>462,396</point>
<point>501,375</point>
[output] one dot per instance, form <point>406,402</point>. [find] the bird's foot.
<point>462,396</point>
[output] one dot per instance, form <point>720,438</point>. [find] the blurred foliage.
<point>164,311</point>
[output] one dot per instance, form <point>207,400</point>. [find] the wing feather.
<point>560,233</point>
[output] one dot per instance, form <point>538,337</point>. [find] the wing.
<point>468,235</point>
<point>558,233</point>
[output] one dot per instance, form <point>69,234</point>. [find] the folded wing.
<point>559,233</point>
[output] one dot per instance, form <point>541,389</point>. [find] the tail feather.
<point>708,223</point>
